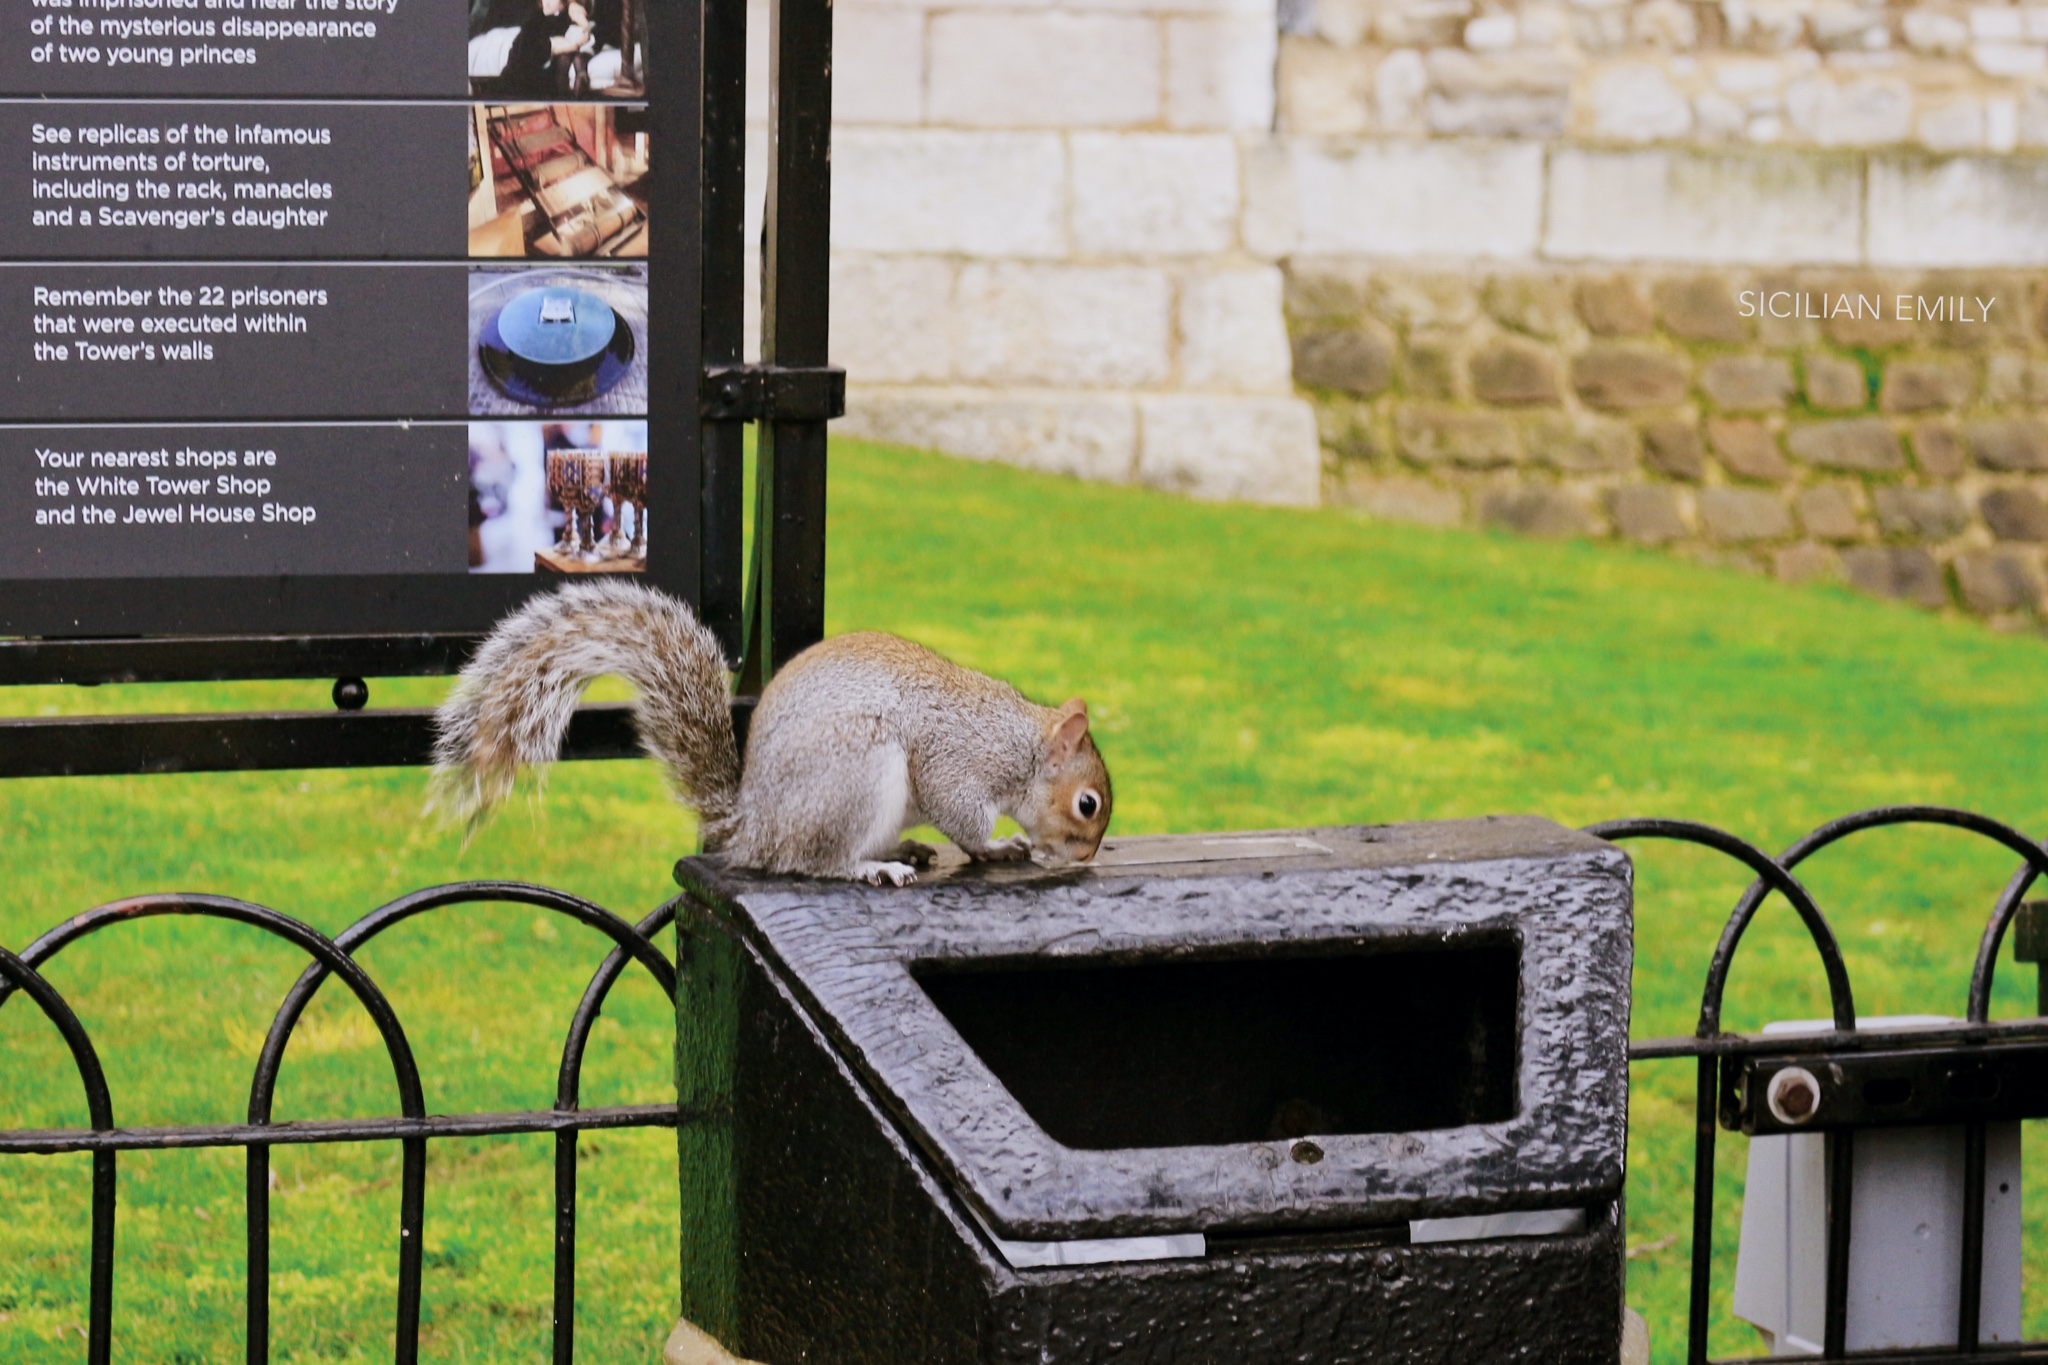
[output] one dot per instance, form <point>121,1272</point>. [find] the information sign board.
<point>342,316</point>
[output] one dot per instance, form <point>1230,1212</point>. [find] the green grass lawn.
<point>1246,667</point>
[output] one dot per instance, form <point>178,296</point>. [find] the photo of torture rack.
<point>574,205</point>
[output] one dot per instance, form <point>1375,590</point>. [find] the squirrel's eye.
<point>1086,804</point>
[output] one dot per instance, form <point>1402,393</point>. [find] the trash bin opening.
<point>1359,1038</point>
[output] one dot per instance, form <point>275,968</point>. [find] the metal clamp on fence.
<point>772,393</point>
<point>1884,1161</point>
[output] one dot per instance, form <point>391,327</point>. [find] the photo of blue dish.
<point>554,346</point>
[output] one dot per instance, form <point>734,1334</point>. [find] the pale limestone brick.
<point>1666,24</point>
<point>1088,435</point>
<point>1860,113</point>
<point>941,190</point>
<point>1153,194</point>
<point>1544,25</point>
<point>1717,117</point>
<point>1637,102</point>
<point>1048,69</point>
<point>1422,23</point>
<point>1219,72</point>
<point>1600,30</point>
<point>1955,125</point>
<point>1232,335</point>
<point>1839,25</point>
<point>1064,325</point>
<point>1750,77</point>
<point>1504,94</point>
<point>893,318</point>
<point>1738,206</point>
<point>1397,90</point>
<point>1935,33</point>
<point>1768,25</point>
<point>2032,122</point>
<point>1324,90</point>
<point>877,65</point>
<point>1959,212</point>
<point>1237,449</point>
<point>1268,228</point>
<point>2009,59</point>
<point>1400,198</point>
<point>1343,22</point>
<point>1492,33</point>
<point>2001,123</point>
<point>1997,23</point>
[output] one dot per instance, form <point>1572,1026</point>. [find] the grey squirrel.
<point>854,740</point>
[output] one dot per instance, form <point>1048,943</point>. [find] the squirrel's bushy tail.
<point>512,704</point>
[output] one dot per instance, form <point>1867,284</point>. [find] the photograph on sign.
<point>564,497</point>
<point>548,341</point>
<point>558,180</point>
<point>542,49</point>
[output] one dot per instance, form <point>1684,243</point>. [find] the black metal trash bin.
<point>1211,1099</point>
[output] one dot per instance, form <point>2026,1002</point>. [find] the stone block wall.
<point>1040,250</point>
<point>1938,74</point>
<point>1520,234</point>
<point>1471,261</point>
<point>1668,407</point>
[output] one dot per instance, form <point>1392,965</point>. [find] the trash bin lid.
<point>1287,1030</point>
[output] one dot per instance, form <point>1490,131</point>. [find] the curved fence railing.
<point>1950,1054</point>
<point>1949,1057</point>
<point>411,1128</point>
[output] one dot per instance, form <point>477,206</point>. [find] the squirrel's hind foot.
<point>884,874</point>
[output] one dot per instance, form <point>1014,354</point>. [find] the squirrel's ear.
<point>1072,729</point>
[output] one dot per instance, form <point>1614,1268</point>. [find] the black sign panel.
<point>342,316</point>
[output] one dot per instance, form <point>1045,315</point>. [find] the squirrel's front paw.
<point>881,874</point>
<point>1014,849</point>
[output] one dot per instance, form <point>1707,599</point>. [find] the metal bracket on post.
<point>2030,944</point>
<point>772,393</point>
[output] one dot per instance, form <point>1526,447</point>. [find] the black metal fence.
<point>1974,1073</point>
<point>412,1130</point>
